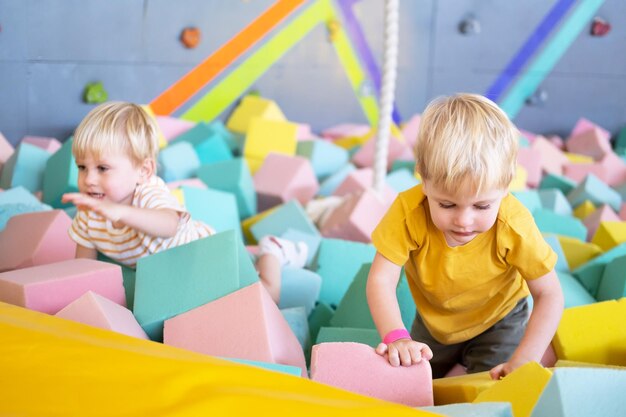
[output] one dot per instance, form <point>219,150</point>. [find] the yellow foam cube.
<point>593,333</point>
<point>522,388</point>
<point>161,137</point>
<point>350,142</point>
<point>584,209</point>
<point>460,389</point>
<point>576,158</point>
<point>250,221</point>
<point>519,181</point>
<point>180,196</point>
<point>265,136</point>
<point>252,107</point>
<point>578,252</point>
<point>609,234</point>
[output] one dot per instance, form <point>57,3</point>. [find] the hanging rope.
<point>390,63</point>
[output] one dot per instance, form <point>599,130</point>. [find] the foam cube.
<point>217,209</point>
<point>234,177</point>
<point>296,318</point>
<point>502,409</point>
<point>561,262</point>
<point>592,142</point>
<point>6,150</point>
<point>604,213</point>
<point>584,209</point>
<point>609,234</point>
<point>94,310</point>
<point>346,130</point>
<point>195,135</point>
<point>16,201</point>
<point>550,222</point>
<point>319,317</point>
<point>287,216</point>
<point>276,367</point>
<point>365,156</point>
<point>49,288</point>
<point>555,200</point>
<point>36,238</point>
<point>529,198</point>
<point>368,337</point>
<point>578,252</point>
<point>573,291</point>
<point>519,180</point>
<point>362,180</point>
<point>172,127</point>
<point>530,159</point>
<point>614,169</point>
<point>282,178</point>
<point>596,191</point>
<point>268,136</point>
<point>594,333</point>
<point>357,367</point>
<point>213,149</point>
<point>178,161</point>
<point>331,183</point>
<point>462,388</point>
<point>590,272</point>
<point>582,392</point>
<point>25,167</point>
<point>299,287</point>
<point>613,282</point>
<point>552,159</point>
<point>522,388</point>
<point>48,144</point>
<point>249,326</point>
<point>326,158</point>
<point>179,279</point>
<point>60,176</point>
<point>253,107</point>
<point>401,180</point>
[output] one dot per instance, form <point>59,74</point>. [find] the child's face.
<point>111,176</point>
<point>461,217</point>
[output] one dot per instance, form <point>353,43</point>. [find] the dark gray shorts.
<point>490,348</point>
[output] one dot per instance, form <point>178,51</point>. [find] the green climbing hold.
<point>95,93</point>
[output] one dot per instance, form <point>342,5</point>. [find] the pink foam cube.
<point>411,128</point>
<point>530,159</point>
<point>578,172</point>
<point>356,217</point>
<point>615,169</point>
<point>583,125</point>
<point>46,143</point>
<point>557,141</point>
<point>364,157</point>
<point>245,324</point>
<point>590,142</point>
<point>304,132</point>
<point>282,178</point>
<point>603,213</point>
<point>358,368</point>
<point>190,182</point>
<point>97,311</point>
<point>529,135</point>
<point>622,212</point>
<point>36,238</point>
<point>360,180</point>
<point>346,130</point>
<point>49,288</point>
<point>6,149</point>
<point>172,126</point>
<point>552,157</point>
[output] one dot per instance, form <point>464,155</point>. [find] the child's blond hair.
<point>467,144</point>
<point>117,127</point>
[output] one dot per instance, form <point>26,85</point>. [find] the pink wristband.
<point>396,334</point>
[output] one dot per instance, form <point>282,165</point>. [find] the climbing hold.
<point>600,27</point>
<point>95,93</point>
<point>538,98</point>
<point>190,37</point>
<point>333,26</point>
<point>469,26</point>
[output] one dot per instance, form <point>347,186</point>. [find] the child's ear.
<point>148,169</point>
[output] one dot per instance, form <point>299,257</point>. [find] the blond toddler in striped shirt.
<point>127,212</point>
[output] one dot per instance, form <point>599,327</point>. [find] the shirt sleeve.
<point>78,230</point>
<point>392,237</point>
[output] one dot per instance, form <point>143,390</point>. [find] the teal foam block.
<point>287,216</point>
<point>561,261</point>
<point>555,200</point>
<point>312,242</point>
<point>559,182</point>
<point>194,136</point>
<point>18,195</point>
<point>330,184</point>
<point>296,317</point>
<point>590,273</point>
<point>178,162</point>
<point>353,310</point>
<point>403,164</point>
<point>490,409</point>
<point>550,222</point>
<point>16,201</point>
<point>326,158</point>
<point>274,367</point>
<point>583,392</point>
<point>299,288</point>
<point>128,276</point>
<point>60,176</point>
<point>179,279</point>
<point>573,291</point>
<point>213,149</point>
<point>613,281</point>
<point>401,180</point>
<point>338,262</point>
<point>405,301</point>
<point>368,337</point>
<point>621,190</point>
<point>595,190</point>
<point>620,142</point>
<point>529,198</point>
<point>25,167</point>
<point>319,317</point>
<point>232,176</point>
<point>216,208</point>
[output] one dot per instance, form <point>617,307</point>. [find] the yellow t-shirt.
<point>462,291</point>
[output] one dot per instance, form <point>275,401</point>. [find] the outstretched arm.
<point>383,302</point>
<point>154,222</point>
<point>543,322</point>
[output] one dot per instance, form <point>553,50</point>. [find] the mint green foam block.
<point>561,261</point>
<point>583,392</point>
<point>559,182</point>
<point>128,277</point>
<point>326,157</point>
<point>330,184</point>
<point>60,176</point>
<point>401,180</point>
<point>275,367</point>
<point>216,208</point>
<point>296,317</point>
<point>490,409</point>
<point>337,269</point>
<point>595,190</point>
<point>194,136</point>
<point>573,291</point>
<point>319,317</point>
<point>368,337</point>
<point>232,176</point>
<point>529,198</point>
<point>299,288</point>
<point>398,164</point>
<point>179,279</point>
<point>25,167</point>
<point>213,149</point>
<point>613,281</point>
<point>590,273</point>
<point>287,216</point>
<point>178,162</point>
<point>16,201</point>
<point>555,200</point>
<point>551,222</point>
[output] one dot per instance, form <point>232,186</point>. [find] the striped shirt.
<point>126,245</point>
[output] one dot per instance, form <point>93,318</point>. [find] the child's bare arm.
<point>153,222</point>
<point>543,322</point>
<point>381,297</point>
<point>87,253</point>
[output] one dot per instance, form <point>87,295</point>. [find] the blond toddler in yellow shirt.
<point>471,251</point>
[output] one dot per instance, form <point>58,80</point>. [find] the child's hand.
<point>107,209</point>
<point>502,370</point>
<point>405,352</point>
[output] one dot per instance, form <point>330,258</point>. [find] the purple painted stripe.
<point>518,62</point>
<point>354,31</point>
